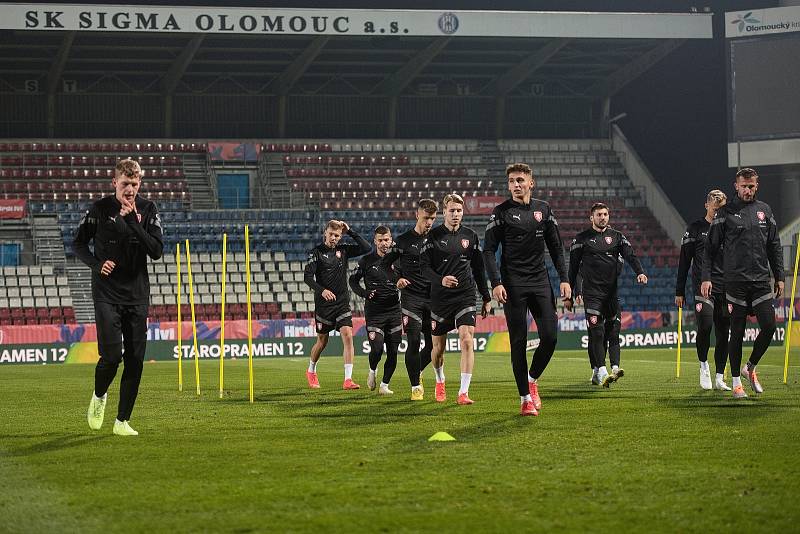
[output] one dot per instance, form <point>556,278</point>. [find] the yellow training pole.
<point>222,319</point>
<point>249,317</point>
<point>180,329</point>
<point>194,322</point>
<point>680,334</point>
<point>788,334</point>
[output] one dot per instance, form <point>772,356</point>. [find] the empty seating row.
<point>83,196</point>
<point>387,185</point>
<point>103,147</point>
<point>31,315</point>
<point>108,173</point>
<point>378,172</point>
<point>51,186</point>
<point>347,161</point>
<point>34,160</point>
<point>593,145</point>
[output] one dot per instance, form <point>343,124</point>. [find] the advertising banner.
<point>299,347</point>
<point>12,208</point>
<point>369,22</point>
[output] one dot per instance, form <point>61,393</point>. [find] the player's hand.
<point>371,294</point>
<point>579,300</point>
<point>346,226</point>
<point>705,289</point>
<point>450,281</point>
<point>127,207</point>
<point>679,302</point>
<point>642,279</point>
<point>328,295</point>
<point>403,283</point>
<point>486,309</point>
<point>568,304</point>
<point>499,294</point>
<point>778,289</point>
<point>566,291</point>
<point>107,267</point>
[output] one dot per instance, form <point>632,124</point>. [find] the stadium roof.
<point>324,64</point>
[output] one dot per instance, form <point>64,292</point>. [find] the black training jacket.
<point>746,235</point>
<point>127,241</point>
<point>524,230</point>
<point>596,255</point>
<point>327,267</point>
<point>458,254</point>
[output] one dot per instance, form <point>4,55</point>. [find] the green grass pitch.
<point>653,453</point>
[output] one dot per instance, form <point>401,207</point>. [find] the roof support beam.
<point>53,77</point>
<point>625,75</point>
<point>181,63</point>
<point>283,83</point>
<point>506,82</point>
<point>57,66</point>
<point>394,84</point>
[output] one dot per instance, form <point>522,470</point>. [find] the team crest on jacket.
<point>609,240</point>
<point>730,308</point>
<point>538,216</point>
<point>139,217</point>
<point>338,253</point>
<point>698,306</point>
<point>405,320</point>
<point>465,243</point>
<point>761,215</point>
<point>372,336</point>
<point>592,319</point>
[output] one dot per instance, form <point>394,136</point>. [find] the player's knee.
<point>766,322</point>
<point>346,333</point>
<point>465,335</point>
<point>110,354</point>
<point>596,332</point>
<point>548,337</point>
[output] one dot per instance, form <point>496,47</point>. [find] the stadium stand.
<point>34,295</point>
<point>367,182</point>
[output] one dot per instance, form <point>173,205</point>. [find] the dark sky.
<point>677,117</point>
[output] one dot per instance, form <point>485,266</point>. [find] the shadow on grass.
<point>55,443</point>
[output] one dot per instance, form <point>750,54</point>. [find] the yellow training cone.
<point>441,436</point>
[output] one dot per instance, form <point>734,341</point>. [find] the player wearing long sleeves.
<point>595,254</point>
<point>381,307</point>
<point>326,275</point>
<point>745,233</point>
<point>125,229</point>
<point>415,296</point>
<point>523,227</point>
<point>452,261</point>
<point>711,311</point>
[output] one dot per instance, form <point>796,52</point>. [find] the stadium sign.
<point>300,347</point>
<point>762,22</point>
<point>370,22</point>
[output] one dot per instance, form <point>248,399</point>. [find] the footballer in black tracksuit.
<point>596,256</point>
<point>415,300</point>
<point>327,269</point>
<point>708,311</point>
<point>524,230</point>
<point>121,298</point>
<point>381,309</point>
<point>745,234</point>
<point>453,253</point>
